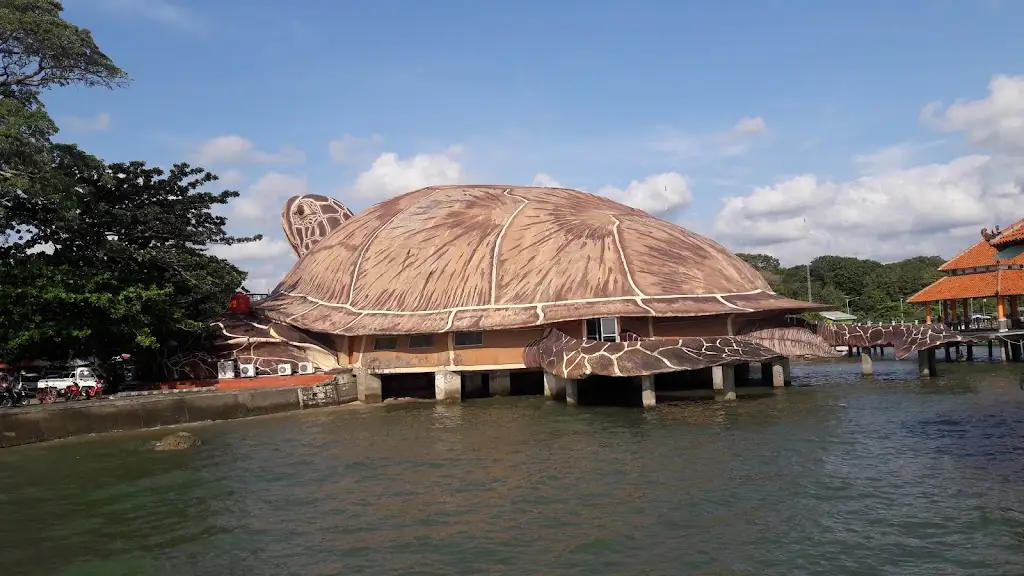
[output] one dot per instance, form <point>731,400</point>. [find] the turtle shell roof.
<point>454,258</point>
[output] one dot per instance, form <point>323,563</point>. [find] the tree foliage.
<point>127,271</point>
<point>96,259</point>
<point>872,290</point>
<point>39,49</point>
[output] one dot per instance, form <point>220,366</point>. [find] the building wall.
<point>502,350</point>
<point>683,327</point>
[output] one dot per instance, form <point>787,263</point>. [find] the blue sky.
<point>809,115</point>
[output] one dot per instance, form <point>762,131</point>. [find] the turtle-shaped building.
<point>449,286</point>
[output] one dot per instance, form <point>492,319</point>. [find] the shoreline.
<point>34,424</point>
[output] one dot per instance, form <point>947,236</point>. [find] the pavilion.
<point>991,268</point>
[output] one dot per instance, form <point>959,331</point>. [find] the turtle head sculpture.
<point>310,218</point>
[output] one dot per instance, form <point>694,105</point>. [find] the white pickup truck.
<point>82,376</point>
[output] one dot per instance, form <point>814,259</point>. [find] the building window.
<point>468,339</point>
<point>606,329</point>
<point>385,343</point>
<point>421,341</point>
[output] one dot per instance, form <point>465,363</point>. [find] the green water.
<point>839,475</point>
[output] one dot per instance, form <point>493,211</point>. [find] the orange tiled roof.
<point>1014,234</point>
<point>980,285</point>
<point>979,255</point>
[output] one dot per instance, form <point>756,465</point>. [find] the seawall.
<point>37,423</point>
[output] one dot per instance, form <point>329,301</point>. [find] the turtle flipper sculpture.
<point>310,218</point>
<point>575,358</point>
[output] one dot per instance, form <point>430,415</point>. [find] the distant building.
<point>992,268</point>
<point>837,317</point>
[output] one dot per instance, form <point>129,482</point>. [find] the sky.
<point>795,128</point>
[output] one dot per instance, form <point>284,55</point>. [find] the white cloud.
<point>266,197</point>
<point>995,122</point>
<point>97,123</point>
<point>233,149</point>
<point>750,125</point>
<point>928,209</point>
<point>884,160</point>
<point>896,209</point>
<point>546,181</point>
<point>230,179</point>
<point>349,149</point>
<point>390,175</point>
<point>654,194</point>
<point>259,250</point>
<point>733,142</point>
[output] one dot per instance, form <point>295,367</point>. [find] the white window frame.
<point>602,334</point>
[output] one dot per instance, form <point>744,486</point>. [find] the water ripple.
<point>839,475</point>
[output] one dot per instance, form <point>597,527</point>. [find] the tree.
<point>873,290</point>
<point>762,262</point>
<point>38,50</point>
<point>129,272</point>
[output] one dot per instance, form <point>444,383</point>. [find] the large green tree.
<point>95,259</point>
<point>872,290</point>
<point>38,50</point>
<point>129,273</point>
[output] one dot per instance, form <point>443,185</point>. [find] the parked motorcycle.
<point>12,392</point>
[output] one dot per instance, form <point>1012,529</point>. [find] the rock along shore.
<point>32,424</point>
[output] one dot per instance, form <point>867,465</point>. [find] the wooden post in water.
<point>926,363</point>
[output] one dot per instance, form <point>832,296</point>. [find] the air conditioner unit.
<point>284,369</point>
<point>226,369</point>
<point>247,370</point>
<point>305,367</point>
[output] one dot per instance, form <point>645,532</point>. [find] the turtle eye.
<point>300,210</point>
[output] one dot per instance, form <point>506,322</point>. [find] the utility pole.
<point>809,283</point>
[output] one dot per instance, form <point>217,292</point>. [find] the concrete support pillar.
<point>368,388</point>
<point>1004,350</point>
<point>949,357</point>
<point>867,365</point>
<point>926,363</point>
<point>787,375</point>
<point>572,391</point>
<point>970,352</point>
<point>554,386</point>
<point>1016,353</point>
<point>500,383</point>
<point>766,373</point>
<point>448,387</point>
<point>647,394</point>
<point>991,354</point>
<point>779,373</point>
<point>723,380</point>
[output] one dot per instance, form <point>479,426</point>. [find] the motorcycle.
<point>12,393</point>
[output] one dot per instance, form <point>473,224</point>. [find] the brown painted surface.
<point>905,338</point>
<point>683,328</point>
<point>500,348</point>
<point>309,218</point>
<point>573,358</point>
<point>452,258</point>
<point>248,340</point>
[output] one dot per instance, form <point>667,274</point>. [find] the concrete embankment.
<point>64,420</point>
